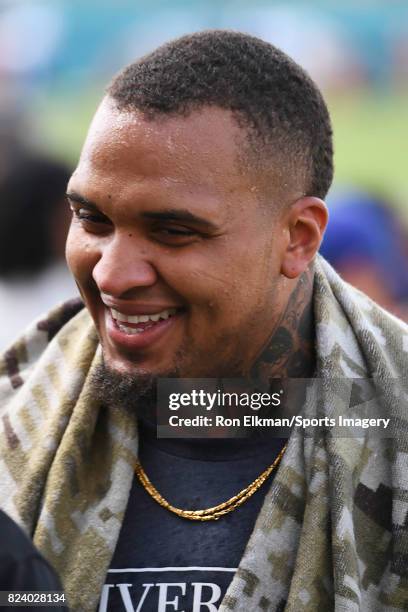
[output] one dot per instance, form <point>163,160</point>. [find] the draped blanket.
<point>332,533</point>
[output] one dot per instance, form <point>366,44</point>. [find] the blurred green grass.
<point>370,136</point>
<point>371,142</point>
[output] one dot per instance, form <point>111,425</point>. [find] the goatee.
<point>134,393</point>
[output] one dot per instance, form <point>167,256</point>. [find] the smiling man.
<point>168,227</point>
<point>198,210</point>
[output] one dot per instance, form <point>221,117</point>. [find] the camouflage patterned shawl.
<point>332,534</point>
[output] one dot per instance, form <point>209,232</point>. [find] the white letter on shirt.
<point>103,604</point>
<point>163,602</point>
<point>124,592</point>
<point>197,602</point>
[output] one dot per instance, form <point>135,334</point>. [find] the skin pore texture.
<point>165,219</point>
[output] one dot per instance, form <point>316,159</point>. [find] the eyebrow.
<point>76,197</point>
<point>177,214</point>
<point>166,214</point>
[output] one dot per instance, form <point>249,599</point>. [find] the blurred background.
<point>57,56</point>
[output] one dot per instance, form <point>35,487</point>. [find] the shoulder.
<point>381,337</point>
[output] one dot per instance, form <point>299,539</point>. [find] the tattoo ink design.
<point>290,352</point>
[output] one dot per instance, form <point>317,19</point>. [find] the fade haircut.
<point>270,96</point>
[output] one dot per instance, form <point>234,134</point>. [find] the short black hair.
<point>267,92</point>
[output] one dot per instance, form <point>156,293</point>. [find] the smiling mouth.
<point>137,324</point>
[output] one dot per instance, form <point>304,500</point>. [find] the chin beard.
<point>133,393</point>
<point>137,393</point>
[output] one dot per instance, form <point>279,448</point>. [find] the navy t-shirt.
<point>166,563</point>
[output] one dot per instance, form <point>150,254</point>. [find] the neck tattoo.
<point>290,351</point>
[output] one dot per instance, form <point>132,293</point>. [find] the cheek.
<point>80,257</point>
<point>223,278</point>
<point>194,272</point>
<point>219,283</point>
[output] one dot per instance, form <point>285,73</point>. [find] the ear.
<point>306,221</point>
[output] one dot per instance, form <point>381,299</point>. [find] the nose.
<point>123,266</point>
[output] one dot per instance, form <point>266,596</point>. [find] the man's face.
<point>175,257</point>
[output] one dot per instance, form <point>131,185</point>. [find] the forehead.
<point>201,149</point>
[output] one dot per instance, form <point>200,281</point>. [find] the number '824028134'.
<point>35,597</point>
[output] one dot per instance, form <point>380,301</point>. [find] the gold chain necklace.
<point>209,514</point>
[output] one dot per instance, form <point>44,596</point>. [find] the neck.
<point>290,351</point>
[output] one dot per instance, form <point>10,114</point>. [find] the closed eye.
<point>177,231</point>
<point>174,235</point>
<point>90,219</point>
<point>82,214</point>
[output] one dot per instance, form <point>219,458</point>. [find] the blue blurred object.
<point>364,228</point>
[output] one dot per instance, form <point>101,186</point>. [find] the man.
<point>197,216</point>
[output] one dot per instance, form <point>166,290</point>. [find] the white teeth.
<point>167,313</point>
<point>164,314</point>
<point>130,330</point>
<point>132,319</point>
<point>117,315</point>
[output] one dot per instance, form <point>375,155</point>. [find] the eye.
<point>91,220</point>
<point>176,231</point>
<point>174,235</point>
